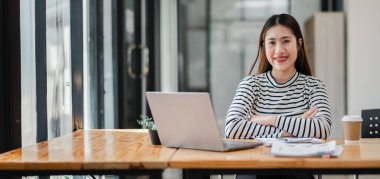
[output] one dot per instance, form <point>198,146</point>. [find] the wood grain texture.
<point>362,155</point>
<point>131,149</point>
<point>92,150</point>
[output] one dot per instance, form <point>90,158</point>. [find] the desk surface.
<point>362,155</point>
<point>90,150</point>
<point>114,150</point>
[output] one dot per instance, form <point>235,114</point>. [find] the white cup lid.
<point>353,118</point>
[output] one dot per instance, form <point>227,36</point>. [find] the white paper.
<point>306,149</point>
<point>303,140</point>
<point>269,141</point>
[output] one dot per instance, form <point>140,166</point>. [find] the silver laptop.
<point>187,120</point>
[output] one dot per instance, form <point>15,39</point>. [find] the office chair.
<point>371,123</point>
<point>370,126</point>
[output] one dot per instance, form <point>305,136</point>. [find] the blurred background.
<point>72,64</point>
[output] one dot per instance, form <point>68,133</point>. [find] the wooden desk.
<point>130,152</point>
<point>89,152</point>
<point>361,158</point>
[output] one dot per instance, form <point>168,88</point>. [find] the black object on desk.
<point>371,123</point>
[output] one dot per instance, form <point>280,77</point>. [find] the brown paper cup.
<point>352,127</point>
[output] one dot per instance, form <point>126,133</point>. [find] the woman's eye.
<point>286,41</point>
<point>271,43</point>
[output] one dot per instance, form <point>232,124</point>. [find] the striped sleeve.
<point>319,126</point>
<point>238,124</point>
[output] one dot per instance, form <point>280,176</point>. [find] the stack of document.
<point>302,147</point>
<point>269,141</point>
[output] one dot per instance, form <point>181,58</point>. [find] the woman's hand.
<point>264,120</point>
<point>286,134</point>
<point>310,113</point>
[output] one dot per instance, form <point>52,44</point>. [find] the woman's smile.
<point>280,59</point>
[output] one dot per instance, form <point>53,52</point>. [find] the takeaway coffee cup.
<point>352,125</point>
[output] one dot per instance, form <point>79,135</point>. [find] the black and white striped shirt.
<point>261,95</point>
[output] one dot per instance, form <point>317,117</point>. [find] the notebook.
<point>187,120</point>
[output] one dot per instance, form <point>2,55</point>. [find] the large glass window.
<point>79,49</point>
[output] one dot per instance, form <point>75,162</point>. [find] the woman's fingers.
<point>286,134</point>
<point>307,113</point>
<point>310,113</point>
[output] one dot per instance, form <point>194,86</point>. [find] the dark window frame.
<point>41,79</point>
<point>96,59</point>
<point>76,25</point>
<point>10,78</point>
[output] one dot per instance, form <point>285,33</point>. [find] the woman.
<point>283,99</point>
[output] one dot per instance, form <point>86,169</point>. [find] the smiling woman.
<point>283,99</point>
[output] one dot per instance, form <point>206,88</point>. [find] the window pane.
<point>109,70</point>
<point>86,74</point>
<point>58,67</point>
<point>28,73</point>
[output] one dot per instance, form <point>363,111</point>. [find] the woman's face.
<point>281,49</point>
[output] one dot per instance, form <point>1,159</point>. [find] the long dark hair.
<point>301,64</point>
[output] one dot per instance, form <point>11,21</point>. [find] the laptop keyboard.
<point>235,144</point>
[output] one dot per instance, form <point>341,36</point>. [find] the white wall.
<point>363,60</point>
